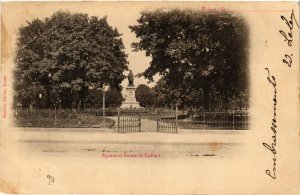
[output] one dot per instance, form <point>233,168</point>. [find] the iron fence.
<point>236,120</point>
<point>147,120</point>
<point>52,118</point>
<point>132,120</point>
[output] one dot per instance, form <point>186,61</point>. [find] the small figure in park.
<point>130,78</point>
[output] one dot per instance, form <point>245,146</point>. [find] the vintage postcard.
<point>150,98</point>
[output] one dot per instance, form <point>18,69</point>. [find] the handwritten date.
<point>288,36</point>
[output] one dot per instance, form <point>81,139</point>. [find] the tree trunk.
<point>83,95</point>
<point>48,98</point>
<point>226,103</point>
<point>206,99</point>
<point>69,99</point>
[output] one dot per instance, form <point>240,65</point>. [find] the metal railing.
<point>236,120</point>
<point>156,120</point>
<point>52,118</point>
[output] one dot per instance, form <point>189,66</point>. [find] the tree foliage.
<point>144,95</point>
<point>113,98</point>
<point>197,54</point>
<point>66,54</point>
<point>167,95</point>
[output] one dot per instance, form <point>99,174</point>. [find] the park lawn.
<point>72,121</point>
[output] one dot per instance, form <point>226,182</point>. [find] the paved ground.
<point>94,142</point>
<point>95,160</point>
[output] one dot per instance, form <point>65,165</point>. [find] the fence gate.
<point>129,122</point>
<point>167,121</point>
<point>147,121</point>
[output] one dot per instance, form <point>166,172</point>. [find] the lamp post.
<point>103,102</point>
<point>103,98</point>
<point>34,94</point>
<point>48,100</point>
<point>40,99</point>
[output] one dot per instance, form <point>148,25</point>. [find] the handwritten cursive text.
<point>288,36</point>
<point>272,147</point>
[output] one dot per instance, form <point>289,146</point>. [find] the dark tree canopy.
<point>113,98</point>
<point>144,95</point>
<point>199,55</point>
<point>167,95</point>
<point>63,56</point>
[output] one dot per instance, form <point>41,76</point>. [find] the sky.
<point>119,16</point>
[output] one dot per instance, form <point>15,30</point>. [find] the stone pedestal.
<point>130,101</point>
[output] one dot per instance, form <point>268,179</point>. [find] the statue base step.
<point>130,105</point>
<point>130,100</point>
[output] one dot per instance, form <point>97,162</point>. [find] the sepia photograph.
<point>73,74</point>
<point>113,91</point>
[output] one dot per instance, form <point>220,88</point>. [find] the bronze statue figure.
<point>130,78</point>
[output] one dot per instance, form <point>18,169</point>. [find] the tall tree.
<point>66,54</point>
<point>198,54</point>
<point>168,95</point>
<point>113,98</point>
<point>144,95</point>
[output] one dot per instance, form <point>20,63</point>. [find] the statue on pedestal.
<point>130,100</point>
<point>130,79</point>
